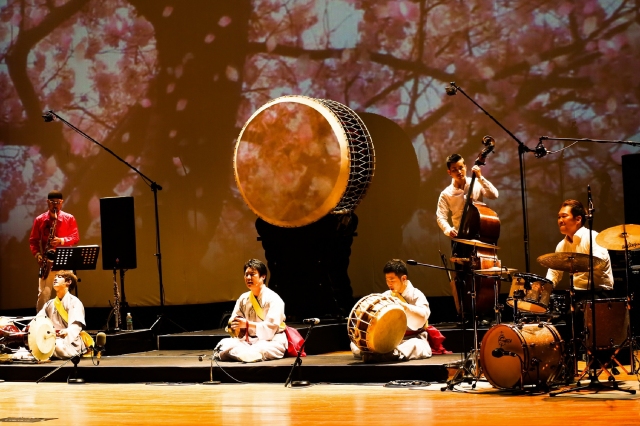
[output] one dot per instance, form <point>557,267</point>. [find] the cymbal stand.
<point>463,373</point>
<point>630,341</point>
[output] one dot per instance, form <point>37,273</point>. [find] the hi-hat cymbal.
<point>476,243</point>
<point>613,238</point>
<point>495,271</point>
<point>568,261</point>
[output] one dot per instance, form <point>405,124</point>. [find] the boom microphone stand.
<point>49,117</point>
<point>539,152</point>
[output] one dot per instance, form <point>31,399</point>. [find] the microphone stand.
<point>298,362</point>
<point>619,142</point>
<point>49,117</point>
<point>539,152</point>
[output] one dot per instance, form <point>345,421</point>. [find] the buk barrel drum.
<point>377,323</point>
<point>537,292</point>
<point>612,320</point>
<point>528,353</point>
<point>298,159</point>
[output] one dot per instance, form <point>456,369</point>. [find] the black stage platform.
<point>186,367</point>
<point>140,356</point>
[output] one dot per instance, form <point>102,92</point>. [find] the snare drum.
<point>531,351</point>
<point>612,320</point>
<point>377,323</point>
<point>537,292</point>
<point>298,159</point>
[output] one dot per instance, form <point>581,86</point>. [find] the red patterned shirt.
<point>66,228</point>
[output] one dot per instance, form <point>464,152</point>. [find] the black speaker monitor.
<point>118,226</point>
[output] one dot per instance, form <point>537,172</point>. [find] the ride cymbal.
<point>613,238</point>
<point>568,261</point>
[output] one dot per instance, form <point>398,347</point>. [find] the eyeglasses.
<point>55,202</point>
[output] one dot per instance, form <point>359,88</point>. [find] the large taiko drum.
<point>299,159</point>
<point>377,323</point>
<point>533,352</point>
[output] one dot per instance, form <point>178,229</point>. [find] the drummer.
<point>414,345</point>
<point>452,198</point>
<point>571,221</point>
<point>66,313</point>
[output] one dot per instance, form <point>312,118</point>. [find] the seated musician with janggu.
<point>415,344</point>
<point>257,321</point>
<point>66,313</point>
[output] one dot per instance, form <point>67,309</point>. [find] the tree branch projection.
<point>27,38</point>
<point>506,60</point>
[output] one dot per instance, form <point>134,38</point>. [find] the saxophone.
<point>116,301</point>
<point>49,253</point>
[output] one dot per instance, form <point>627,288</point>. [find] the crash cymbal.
<point>613,238</point>
<point>495,271</point>
<point>476,243</point>
<point>568,261</point>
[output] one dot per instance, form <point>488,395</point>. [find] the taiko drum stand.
<point>594,383</point>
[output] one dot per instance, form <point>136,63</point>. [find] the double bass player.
<point>453,217</point>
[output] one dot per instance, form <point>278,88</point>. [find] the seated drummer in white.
<point>257,321</point>
<point>66,313</point>
<point>415,344</point>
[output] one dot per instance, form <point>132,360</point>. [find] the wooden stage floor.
<point>330,404</point>
<point>322,403</point>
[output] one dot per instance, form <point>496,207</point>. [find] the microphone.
<point>499,353</point>
<point>313,321</point>
<point>540,151</point>
<point>452,89</point>
<point>48,116</point>
<point>411,262</point>
<point>101,340</point>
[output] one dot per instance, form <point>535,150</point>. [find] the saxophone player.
<point>51,229</point>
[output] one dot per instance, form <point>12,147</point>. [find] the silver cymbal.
<point>568,261</point>
<point>476,243</point>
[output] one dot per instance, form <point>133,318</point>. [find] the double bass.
<point>479,224</point>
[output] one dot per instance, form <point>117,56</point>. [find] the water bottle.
<point>129,321</point>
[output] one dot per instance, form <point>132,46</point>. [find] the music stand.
<point>78,258</point>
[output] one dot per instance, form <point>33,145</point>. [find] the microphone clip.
<point>540,151</point>
<point>452,89</point>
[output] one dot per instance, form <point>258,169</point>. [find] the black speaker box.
<point>118,225</point>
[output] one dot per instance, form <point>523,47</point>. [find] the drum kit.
<point>35,342</point>
<point>530,353</point>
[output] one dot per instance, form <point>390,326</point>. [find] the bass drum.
<point>298,159</point>
<point>532,353</point>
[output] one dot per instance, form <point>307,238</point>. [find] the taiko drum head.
<point>298,159</point>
